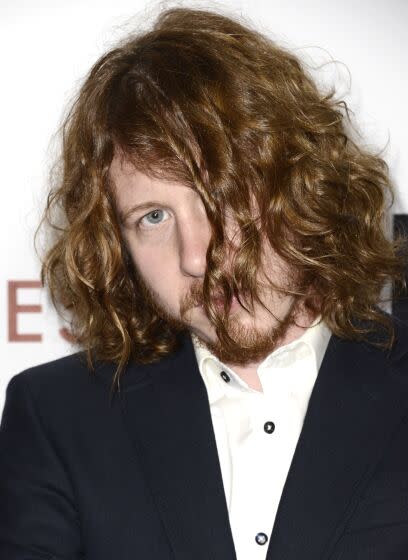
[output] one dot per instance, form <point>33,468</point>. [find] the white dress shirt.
<point>257,432</point>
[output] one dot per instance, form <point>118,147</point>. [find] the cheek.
<point>156,267</point>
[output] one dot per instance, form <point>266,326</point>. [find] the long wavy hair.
<point>206,101</point>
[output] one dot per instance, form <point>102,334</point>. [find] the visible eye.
<point>155,217</point>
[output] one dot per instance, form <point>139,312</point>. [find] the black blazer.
<point>139,479</point>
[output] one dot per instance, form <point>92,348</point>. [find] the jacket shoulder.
<point>59,366</point>
<point>64,377</point>
<point>70,366</point>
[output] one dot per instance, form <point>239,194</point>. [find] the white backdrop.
<point>46,48</point>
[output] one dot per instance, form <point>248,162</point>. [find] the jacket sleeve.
<point>38,517</point>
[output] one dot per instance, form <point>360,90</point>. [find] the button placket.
<point>269,427</point>
<point>261,538</point>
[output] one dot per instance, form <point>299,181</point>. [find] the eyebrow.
<point>124,215</point>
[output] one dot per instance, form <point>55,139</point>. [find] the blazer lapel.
<point>357,401</point>
<point>167,414</point>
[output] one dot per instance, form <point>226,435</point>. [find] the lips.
<point>218,301</point>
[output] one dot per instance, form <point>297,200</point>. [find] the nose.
<point>194,238</point>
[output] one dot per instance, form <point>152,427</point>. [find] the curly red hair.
<point>209,102</point>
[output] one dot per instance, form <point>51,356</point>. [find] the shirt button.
<point>269,427</point>
<point>261,538</point>
<point>225,377</point>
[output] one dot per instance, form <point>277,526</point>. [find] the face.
<point>167,232</point>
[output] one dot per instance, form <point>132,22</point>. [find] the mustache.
<point>195,298</point>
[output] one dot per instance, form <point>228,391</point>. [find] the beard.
<point>249,344</point>
<point>244,344</point>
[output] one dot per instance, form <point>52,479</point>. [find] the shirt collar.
<point>314,341</point>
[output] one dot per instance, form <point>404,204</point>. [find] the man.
<point>222,256</point>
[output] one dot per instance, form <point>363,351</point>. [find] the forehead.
<point>124,176</point>
<point>131,187</point>
<point>127,181</point>
<point>134,190</point>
